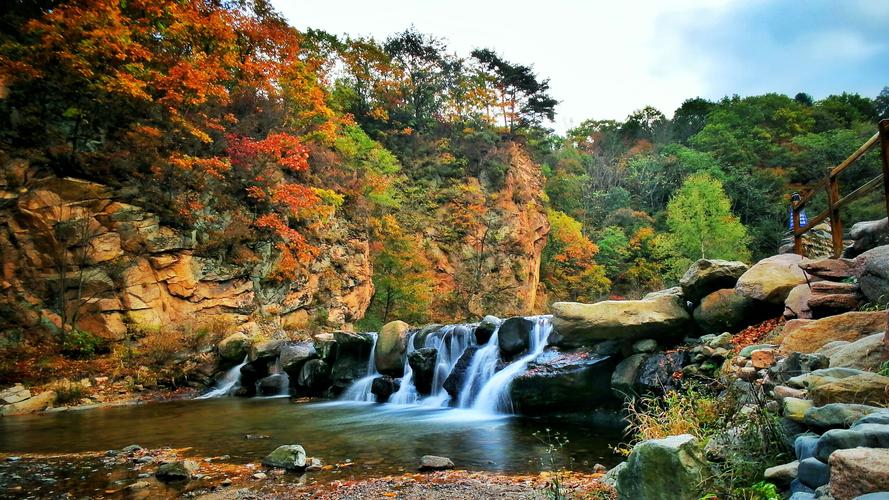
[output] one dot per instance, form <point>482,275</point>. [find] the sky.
<point>606,59</point>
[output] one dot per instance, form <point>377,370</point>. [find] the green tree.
<point>702,225</point>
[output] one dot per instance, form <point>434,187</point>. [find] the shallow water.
<point>379,439</point>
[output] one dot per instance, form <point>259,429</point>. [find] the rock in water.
<point>288,456</point>
<point>858,471</point>
<point>383,387</point>
<point>391,345</point>
<point>486,328</point>
<point>556,381</point>
<point>422,362</point>
<point>669,468</point>
<point>294,355</point>
<point>514,336</point>
<point>770,280</point>
<point>181,470</point>
<point>706,276</point>
<point>265,351</point>
<point>577,325</point>
<point>454,382</point>
<point>432,462</point>
<point>351,352</point>
<point>314,376</point>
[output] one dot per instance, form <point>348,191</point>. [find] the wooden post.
<point>797,238</point>
<point>836,226</point>
<point>884,149</point>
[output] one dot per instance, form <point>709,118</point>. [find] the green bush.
<point>82,344</point>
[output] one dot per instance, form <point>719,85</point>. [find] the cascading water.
<point>481,369</point>
<point>360,389</point>
<point>450,342</point>
<point>407,392</point>
<point>494,395</point>
<point>226,383</point>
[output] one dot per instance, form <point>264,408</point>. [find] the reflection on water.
<point>381,439</point>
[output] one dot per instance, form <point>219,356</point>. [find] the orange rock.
<point>762,358</point>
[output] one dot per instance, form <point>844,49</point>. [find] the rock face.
<point>874,277</point>
<point>576,324</point>
<point>809,336</point>
<point>858,471</point>
<point>514,336</point>
<point>138,271</point>
<point>725,310</point>
<point>556,381</point>
<point>663,468</point>
<point>288,456</point>
<point>391,346</point>
<point>707,276</point>
<point>770,280</point>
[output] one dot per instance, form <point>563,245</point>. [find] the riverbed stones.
<point>433,463</point>
<point>863,388</point>
<point>809,336</point>
<point>645,346</point>
<point>180,470</point>
<point>391,346</point>
<point>813,473</point>
<point>672,467</point>
<point>422,362</point>
<point>576,324</point>
<point>874,278</point>
<point>782,474</point>
<point>288,456</point>
<point>514,336</point>
<point>234,348</point>
<point>706,276</point>
<point>858,471</point>
<point>725,310</point>
<point>795,409</point>
<point>771,279</point>
<point>860,435</point>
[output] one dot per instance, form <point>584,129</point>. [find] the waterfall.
<point>284,388</point>
<point>449,342</point>
<point>407,392</point>
<point>494,394</point>
<point>227,383</point>
<point>360,389</point>
<point>481,369</point>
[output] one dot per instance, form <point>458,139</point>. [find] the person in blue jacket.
<point>803,219</point>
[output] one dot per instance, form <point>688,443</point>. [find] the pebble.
<point>260,475</point>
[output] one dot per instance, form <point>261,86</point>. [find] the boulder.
<point>782,474</point>
<point>422,362</point>
<point>33,404</point>
<point>794,365</point>
<point>454,382</point>
<point>858,471</point>
<point>272,385</point>
<point>293,356</point>
<point>314,376</point>
<point>707,276</point>
<point>266,350</point>
<point>288,456</point>
<point>796,305</point>
<point>813,473</point>
<point>874,277</point>
<point>867,235</point>
<point>864,354</point>
<point>850,326</point>
<point>656,373</point>
<point>623,380</point>
<point>645,346</point>
<point>831,269</point>
<point>837,414</point>
<point>795,409</point>
<point>514,336</point>
<point>562,381</point>
<point>863,388</point>
<point>432,463</point>
<point>725,310</point>
<point>14,394</point>
<point>234,348</point>
<point>821,376</point>
<point>830,348</point>
<point>391,346</point>
<point>352,351</point>
<point>422,333</point>
<point>672,467</point>
<point>180,470</point>
<point>763,358</point>
<point>486,328</point>
<point>861,435</point>
<point>576,324</point>
<point>383,387</point>
<point>829,298</point>
<point>770,280</point>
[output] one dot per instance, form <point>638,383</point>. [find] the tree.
<point>569,269</point>
<point>524,100</point>
<point>702,225</point>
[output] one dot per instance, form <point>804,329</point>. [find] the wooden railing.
<point>834,202</point>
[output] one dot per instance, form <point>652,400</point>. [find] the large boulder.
<point>809,336</point>
<point>14,394</point>
<point>293,356</point>
<point>863,388</point>
<point>576,324</point>
<point>272,385</point>
<point>771,280</point>
<point>422,362</point>
<point>860,435</point>
<point>514,336</point>
<point>831,269</point>
<point>794,365</point>
<point>266,350</point>
<point>234,348</point>
<point>314,376</point>
<point>288,456</point>
<point>486,328</point>
<point>432,462</point>
<point>866,353</point>
<point>556,381</point>
<point>725,310</point>
<point>709,275</point>
<point>837,414</point>
<point>423,333</point>
<point>623,379</point>
<point>33,404</point>
<point>352,351</point>
<point>672,467</point>
<point>867,235</point>
<point>454,382</point>
<point>391,346</point>
<point>796,305</point>
<point>383,387</point>
<point>829,298</point>
<point>874,277</point>
<point>858,471</point>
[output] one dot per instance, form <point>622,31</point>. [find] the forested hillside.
<point>309,164</point>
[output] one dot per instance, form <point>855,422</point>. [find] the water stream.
<point>227,383</point>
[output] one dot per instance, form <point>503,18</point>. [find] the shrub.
<point>68,392</point>
<point>82,344</point>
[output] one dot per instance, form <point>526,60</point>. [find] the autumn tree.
<point>569,268</point>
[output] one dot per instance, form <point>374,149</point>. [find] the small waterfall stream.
<point>360,389</point>
<point>226,383</point>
